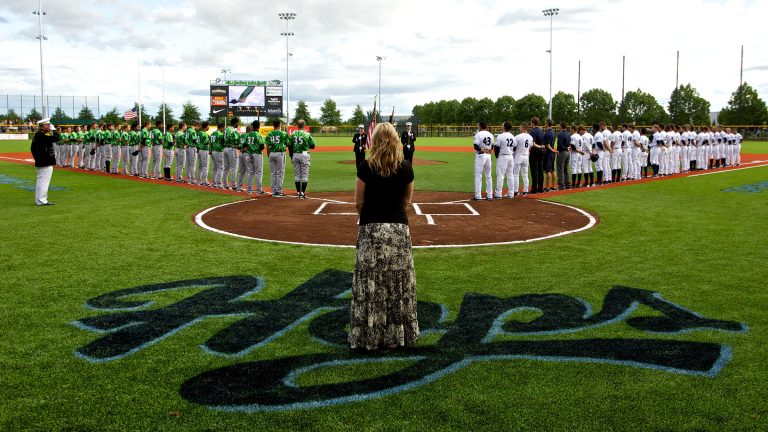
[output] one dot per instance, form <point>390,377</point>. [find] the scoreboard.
<point>246,98</point>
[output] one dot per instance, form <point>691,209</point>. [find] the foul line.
<point>592,222</point>
<point>729,170</point>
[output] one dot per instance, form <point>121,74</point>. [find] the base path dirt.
<point>436,219</point>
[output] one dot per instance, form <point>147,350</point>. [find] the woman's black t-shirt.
<point>384,198</point>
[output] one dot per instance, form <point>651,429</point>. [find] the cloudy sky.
<point>447,49</point>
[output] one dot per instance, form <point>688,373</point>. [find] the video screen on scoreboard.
<point>246,96</point>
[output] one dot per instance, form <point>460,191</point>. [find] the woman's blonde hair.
<point>385,155</point>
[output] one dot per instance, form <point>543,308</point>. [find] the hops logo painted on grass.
<point>485,329</point>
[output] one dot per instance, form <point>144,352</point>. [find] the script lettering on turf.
<point>486,328</point>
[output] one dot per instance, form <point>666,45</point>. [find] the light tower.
<point>287,16</point>
<point>550,13</point>
<point>39,12</point>
<point>380,59</point>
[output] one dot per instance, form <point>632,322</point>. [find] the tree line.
<point>685,106</point>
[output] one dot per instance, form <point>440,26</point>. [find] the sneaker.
<point>477,199</point>
<point>497,197</point>
<point>261,192</point>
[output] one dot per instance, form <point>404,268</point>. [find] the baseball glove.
<point>594,158</point>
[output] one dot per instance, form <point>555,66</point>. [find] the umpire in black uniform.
<point>408,138</point>
<point>45,159</point>
<point>536,158</point>
<point>360,140</point>
<point>563,158</point>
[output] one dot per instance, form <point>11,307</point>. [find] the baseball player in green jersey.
<point>85,148</point>
<point>217,153</point>
<point>157,136</point>
<point>181,151</point>
<point>127,148</point>
<point>251,147</point>
<point>93,137</point>
<point>191,141</point>
<point>74,151</point>
<point>97,139</point>
<point>106,147</point>
<point>277,142</point>
<point>82,140</point>
<point>301,142</point>
<point>231,141</point>
<point>135,152</point>
<point>203,154</point>
<point>117,143</point>
<point>145,139</point>
<point>60,148</point>
<point>168,144</point>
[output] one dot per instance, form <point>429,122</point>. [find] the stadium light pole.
<point>39,12</point>
<point>287,16</point>
<point>380,59</point>
<point>550,13</point>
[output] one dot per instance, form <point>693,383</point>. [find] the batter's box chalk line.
<point>429,216</point>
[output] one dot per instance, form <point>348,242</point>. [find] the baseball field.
<point>120,312</point>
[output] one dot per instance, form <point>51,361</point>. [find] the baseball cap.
<point>408,124</point>
<point>360,126</point>
<point>46,121</point>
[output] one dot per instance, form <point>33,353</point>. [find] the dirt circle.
<point>416,162</point>
<point>436,219</point>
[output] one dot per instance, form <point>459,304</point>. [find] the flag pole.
<point>138,67</point>
<point>163,71</point>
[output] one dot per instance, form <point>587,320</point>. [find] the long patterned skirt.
<point>383,310</point>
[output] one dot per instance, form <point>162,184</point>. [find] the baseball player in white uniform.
<point>737,138</point>
<point>644,149</point>
<point>655,150</point>
<point>483,144</point>
<point>729,147</point>
<point>664,155</point>
<point>626,152</point>
<point>505,161</point>
<point>587,146</point>
<point>599,149</point>
<point>636,152</point>
<point>522,147</point>
<point>711,149</point>
<point>605,159</point>
<point>616,155</point>
<point>576,155</point>
<point>702,141</point>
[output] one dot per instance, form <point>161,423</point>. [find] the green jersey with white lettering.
<point>277,141</point>
<point>203,140</point>
<point>252,142</point>
<point>301,141</point>
<point>181,139</point>
<point>231,137</point>
<point>217,141</point>
<point>156,135</point>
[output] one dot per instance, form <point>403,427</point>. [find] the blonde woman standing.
<point>383,310</point>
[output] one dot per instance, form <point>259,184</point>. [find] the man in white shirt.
<point>605,161</point>
<point>636,152</point>
<point>644,149</point>
<point>711,149</point>
<point>737,138</point>
<point>664,155</point>
<point>576,155</point>
<point>587,145</point>
<point>729,146</point>
<point>522,148</point>
<point>505,161</point>
<point>483,144</point>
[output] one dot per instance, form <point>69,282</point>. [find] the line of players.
<point>236,158</point>
<point>628,154</point>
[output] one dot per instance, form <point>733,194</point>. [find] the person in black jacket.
<point>536,158</point>
<point>563,158</point>
<point>361,144</point>
<point>45,159</point>
<point>408,138</point>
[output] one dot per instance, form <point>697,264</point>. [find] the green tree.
<point>597,105</point>
<point>33,116</point>
<point>687,107</point>
<point>641,108</point>
<point>86,114</point>
<point>564,108</point>
<point>450,112</point>
<point>484,110</point>
<point>503,109</point>
<point>744,108</point>
<point>467,111</point>
<point>190,113</point>
<point>59,116</point>
<point>113,117</point>
<point>530,105</point>
<point>302,112</point>
<point>329,113</point>
<point>168,114</point>
<point>358,116</point>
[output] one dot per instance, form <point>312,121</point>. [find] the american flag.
<point>372,126</point>
<point>130,115</point>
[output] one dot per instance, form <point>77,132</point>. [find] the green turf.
<point>684,238</point>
